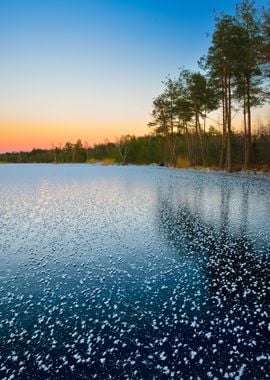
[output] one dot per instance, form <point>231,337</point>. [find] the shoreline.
<point>263,169</point>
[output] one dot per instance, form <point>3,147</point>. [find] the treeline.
<point>149,150</point>
<point>234,75</point>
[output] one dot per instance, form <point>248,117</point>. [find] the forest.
<point>233,77</point>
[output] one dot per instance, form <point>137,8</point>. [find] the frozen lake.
<point>133,273</point>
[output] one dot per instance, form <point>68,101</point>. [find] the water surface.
<point>133,273</point>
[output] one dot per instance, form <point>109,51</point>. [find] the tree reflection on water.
<point>234,305</point>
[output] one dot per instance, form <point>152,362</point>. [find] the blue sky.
<point>96,62</point>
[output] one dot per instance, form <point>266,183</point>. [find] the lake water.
<point>133,273</point>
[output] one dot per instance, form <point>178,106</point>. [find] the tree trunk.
<point>171,149</point>
<point>172,140</point>
<point>229,120</point>
<point>224,127</point>
<point>199,133</point>
<point>249,153</point>
<point>245,135</point>
<point>188,147</point>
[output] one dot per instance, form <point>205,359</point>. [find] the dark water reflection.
<point>133,273</point>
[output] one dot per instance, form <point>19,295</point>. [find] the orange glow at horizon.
<point>24,136</point>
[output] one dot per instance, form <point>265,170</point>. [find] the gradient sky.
<point>90,69</point>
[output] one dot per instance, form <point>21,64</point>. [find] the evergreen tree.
<point>247,73</point>
<point>220,61</point>
<point>203,99</point>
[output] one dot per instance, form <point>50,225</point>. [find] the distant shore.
<point>260,169</point>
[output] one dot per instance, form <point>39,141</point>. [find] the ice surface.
<point>133,273</point>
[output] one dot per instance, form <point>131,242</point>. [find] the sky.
<point>90,69</point>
